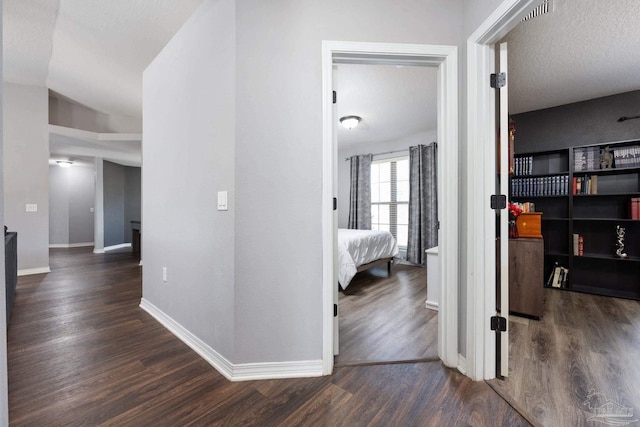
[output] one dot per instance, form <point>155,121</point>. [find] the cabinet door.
<point>526,281</point>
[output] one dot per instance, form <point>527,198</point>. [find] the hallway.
<point>81,352</point>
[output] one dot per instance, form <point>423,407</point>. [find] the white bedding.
<point>359,247</point>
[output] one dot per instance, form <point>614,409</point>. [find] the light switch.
<point>91,210</point>
<point>31,207</point>
<point>223,201</point>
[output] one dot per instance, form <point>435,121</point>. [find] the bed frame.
<point>375,263</point>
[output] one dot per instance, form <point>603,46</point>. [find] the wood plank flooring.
<point>383,317</point>
<point>82,353</point>
<point>584,351</point>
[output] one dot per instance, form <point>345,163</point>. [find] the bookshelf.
<point>602,201</point>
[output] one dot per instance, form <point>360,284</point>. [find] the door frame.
<point>480,219</point>
<point>445,58</point>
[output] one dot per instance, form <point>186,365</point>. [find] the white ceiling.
<point>393,101</point>
<point>91,51</point>
<point>94,52</point>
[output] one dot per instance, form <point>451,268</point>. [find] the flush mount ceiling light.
<point>64,163</point>
<point>350,121</point>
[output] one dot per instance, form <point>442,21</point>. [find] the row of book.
<point>523,165</point>
<point>578,245</point>
<point>586,158</point>
<point>585,185</point>
<point>526,207</point>
<point>559,277</point>
<point>627,157</point>
<point>635,207</point>
<point>557,185</point>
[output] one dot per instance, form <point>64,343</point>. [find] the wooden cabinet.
<point>526,279</point>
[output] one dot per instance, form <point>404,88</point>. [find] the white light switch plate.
<point>223,204</point>
<point>31,207</point>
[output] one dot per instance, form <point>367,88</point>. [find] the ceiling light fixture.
<point>350,121</point>
<point>64,163</point>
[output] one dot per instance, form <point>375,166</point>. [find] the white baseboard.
<point>98,251</point>
<point>462,364</point>
<point>29,271</point>
<point>234,372</point>
<point>114,247</point>
<point>140,264</point>
<point>431,305</point>
<point>70,245</point>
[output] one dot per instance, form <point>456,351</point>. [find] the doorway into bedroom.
<point>383,310</point>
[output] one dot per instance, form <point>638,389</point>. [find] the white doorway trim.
<point>445,58</point>
<point>481,137</point>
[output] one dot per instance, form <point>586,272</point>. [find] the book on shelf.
<point>559,277</point>
<point>635,208</point>
<point>580,246</point>
<point>626,157</point>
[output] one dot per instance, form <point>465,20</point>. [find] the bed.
<point>362,249</point>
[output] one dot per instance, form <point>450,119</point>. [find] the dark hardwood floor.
<point>383,317</point>
<point>82,353</point>
<point>584,352</point>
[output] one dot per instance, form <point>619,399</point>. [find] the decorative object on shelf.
<point>514,211</point>
<point>606,158</point>
<point>529,224</point>
<point>625,118</point>
<point>620,242</point>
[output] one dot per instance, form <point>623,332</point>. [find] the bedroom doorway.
<point>382,315</point>
<point>444,60</point>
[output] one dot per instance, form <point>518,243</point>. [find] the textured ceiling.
<point>585,49</point>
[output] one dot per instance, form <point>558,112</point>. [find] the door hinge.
<point>498,201</point>
<point>335,310</point>
<point>335,97</point>
<point>335,203</point>
<point>498,324</point>
<point>498,80</point>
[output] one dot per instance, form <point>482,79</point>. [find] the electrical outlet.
<point>164,274</point>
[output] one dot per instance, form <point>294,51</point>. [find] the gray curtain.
<point>423,203</point>
<point>360,194</point>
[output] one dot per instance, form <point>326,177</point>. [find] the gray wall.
<point>279,162</point>
<point>4,393</point>
<point>121,202</point>
<point>132,199</point>
<point>71,197</point>
<point>26,172</point>
<point>63,112</point>
<point>581,123</point>
<point>113,204</point>
<point>189,155</point>
<point>253,276</point>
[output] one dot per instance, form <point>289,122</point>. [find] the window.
<point>390,197</point>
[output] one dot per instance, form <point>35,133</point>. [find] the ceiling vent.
<point>545,7</point>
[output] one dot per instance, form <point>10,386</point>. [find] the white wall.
<point>189,154</point>
<point>26,172</point>
<point>71,197</point>
<point>344,168</point>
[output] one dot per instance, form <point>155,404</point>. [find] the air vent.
<point>545,7</point>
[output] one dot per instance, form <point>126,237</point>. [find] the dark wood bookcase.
<point>592,216</point>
